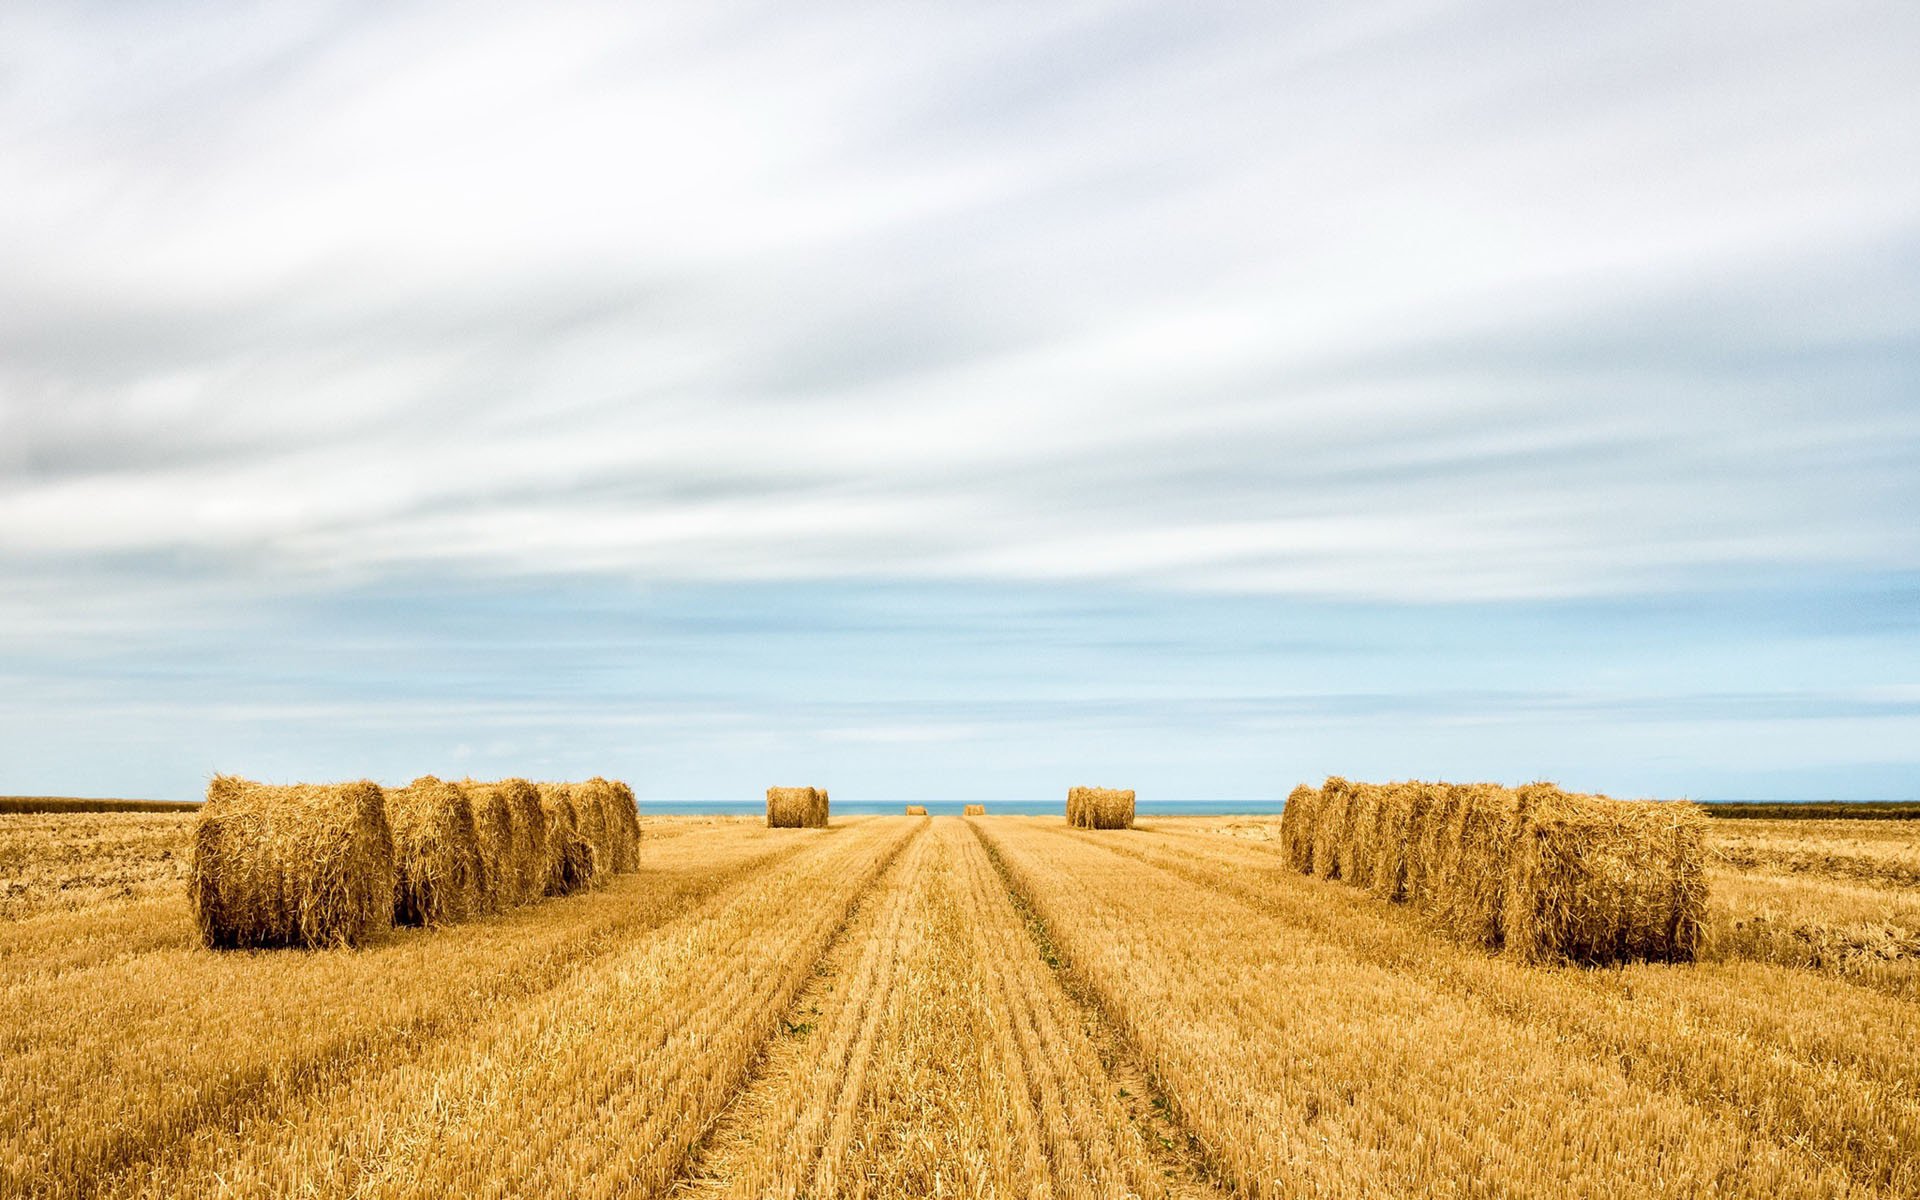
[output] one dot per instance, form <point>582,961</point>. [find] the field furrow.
<point>1307,1069</point>
<point>1806,1059</point>
<point>113,1063</point>
<point>937,1056</point>
<point>594,1088</point>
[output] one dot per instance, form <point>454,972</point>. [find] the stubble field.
<point>991,1006</point>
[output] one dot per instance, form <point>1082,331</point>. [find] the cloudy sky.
<point>961,401</point>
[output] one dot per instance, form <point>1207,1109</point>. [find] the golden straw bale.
<point>522,878</point>
<point>591,820</point>
<point>436,853</point>
<point>1399,829</point>
<point>1100,808</point>
<point>1297,828</point>
<point>629,811</point>
<point>916,810</point>
<point>974,810</point>
<point>1597,880</point>
<point>496,883</point>
<point>1477,847</point>
<point>796,808</point>
<point>1330,827</point>
<point>606,827</point>
<point>1357,848</point>
<point>571,862</point>
<point>306,865</point>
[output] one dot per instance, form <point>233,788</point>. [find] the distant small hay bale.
<point>796,808</point>
<point>1597,880</point>
<point>974,810</point>
<point>522,878</point>
<point>1100,808</point>
<point>916,810</point>
<point>436,853</point>
<point>570,859</point>
<point>1297,828</point>
<point>306,865</point>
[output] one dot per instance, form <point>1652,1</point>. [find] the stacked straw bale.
<point>628,811</point>
<point>1546,874</point>
<point>974,810</point>
<point>496,885</point>
<point>572,861</point>
<point>614,835</point>
<point>519,873</point>
<point>306,865</point>
<point>436,853</point>
<point>916,810</point>
<point>796,808</point>
<point>1100,808</point>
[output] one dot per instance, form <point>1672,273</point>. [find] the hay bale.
<point>1297,828</point>
<point>1399,830</point>
<point>614,837</point>
<point>1476,855</point>
<point>1596,880</point>
<point>306,865</point>
<point>796,808</point>
<point>436,853</point>
<point>629,811</point>
<point>974,810</point>
<point>496,881</point>
<point>591,824</point>
<point>522,876</point>
<point>1330,826</point>
<point>570,860</point>
<point>1100,808</point>
<point>916,810</point>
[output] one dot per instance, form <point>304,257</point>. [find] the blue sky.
<point>961,402</point>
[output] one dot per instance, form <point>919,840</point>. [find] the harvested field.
<point>897,1007</point>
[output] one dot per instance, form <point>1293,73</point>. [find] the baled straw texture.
<point>1601,881</point>
<point>436,853</point>
<point>1548,875</point>
<point>629,811</point>
<point>974,810</point>
<point>572,862</point>
<point>796,808</point>
<point>1297,828</point>
<point>1100,808</point>
<point>916,810</point>
<point>496,882</point>
<point>614,833</point>
<point>521,876</point>
<point>306,865</point>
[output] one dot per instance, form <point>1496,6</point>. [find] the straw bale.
<point>496,882</point>
<point>571,862</point>
<point>615,840</point>
<point>796,808</point>
<point>916,810</point>
<point>1297,828</point>
<point>436,853</point>
<point>306,865</point>
<point>1597,880</point>
<point>629,811</point>
<point>974,810</point>
<point>1400,820</point>
<point>522,876</point>
<point>1100,808</point>
<point>1332,813</point>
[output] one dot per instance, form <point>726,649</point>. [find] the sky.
<point>961,401</point>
